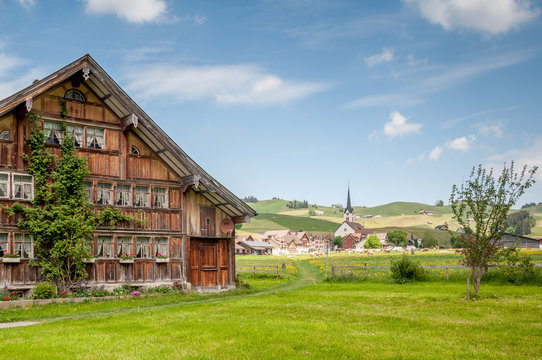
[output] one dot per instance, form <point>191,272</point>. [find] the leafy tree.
<point>60,219</point>
<point>312,212</point>
<point>250,199</point>
<point>439,203</point>
<point>338,241</point>
<point>487,200</point>
<point>398,237</point>
<point>372,242</point>
<point>429,242</point>
<point>528,205</point>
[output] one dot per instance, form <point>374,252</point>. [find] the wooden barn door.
<point>209,262</point>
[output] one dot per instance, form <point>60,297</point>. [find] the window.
<point>53,132</point>
<point>73,94</point>
<point>89,191</point>
<point>160,198</point>
<point>105,246</point>
<point>23,246</point>
<point>4,243</point>
<point>104,194</point>
<point>4,185</point>
<point>162,246</point>
<point>143,247</point>
<point>77,132</point>
<point>23,187</point>
<point>124,195</point>
<point>142,196</point>
<point>125,245</point>
<point>4,135</point>
<point>95,138</point>
<point>135,151</point>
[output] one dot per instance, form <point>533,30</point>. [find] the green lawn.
<point>300,318</point>
<point>263,222</point>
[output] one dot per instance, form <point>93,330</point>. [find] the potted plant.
<point>126,258</point>
<point>11,258</point>
<point>162,258</point>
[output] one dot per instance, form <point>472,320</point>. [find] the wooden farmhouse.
<point>135,166</point>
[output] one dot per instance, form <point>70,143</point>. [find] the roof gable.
<point>131,115</point>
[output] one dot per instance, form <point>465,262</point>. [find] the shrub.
<point>372,242</point>
<point>125,289</point>
<point>158,290</point>
<point>44,290</point>
<point>516,268</point>
<point>405,269</point>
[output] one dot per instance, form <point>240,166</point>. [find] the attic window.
<point>76,95</point>
<point>4,135</point>
<point>135,151</point>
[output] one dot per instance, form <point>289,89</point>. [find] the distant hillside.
<point>269,206</point>
<point>443,237</point>
<point>399,208</point>
<point>264,222</point>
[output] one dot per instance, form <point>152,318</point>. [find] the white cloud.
<point>494,128</point>
<point>486,16</point>
<point>227,84</point>
<point>14,74</point>
<point>136,11</point>
<point>435,153</point>
<point>462,143</point>
<point>385,56</point>
<point>373,136</point>
<point>385,100</point>
<point>398,126</point>
<point>530,156</point>
<point>27,4</point>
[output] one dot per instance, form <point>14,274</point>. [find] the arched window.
<point>135,151</point>
<point>73,94</point>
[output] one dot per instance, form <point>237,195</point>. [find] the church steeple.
<point>348,211</point>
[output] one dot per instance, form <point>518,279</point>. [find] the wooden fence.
<point>365,268</point>
<point>269,269</point>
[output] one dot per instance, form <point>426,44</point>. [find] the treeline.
<point>520,223</point>
<point>250,199</point>
<point>530,204</point>
<point>298,204</point>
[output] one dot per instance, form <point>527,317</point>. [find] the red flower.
<point>131,254</point>
<point>6,298</point>
<point>12,293</point>
<point>105,290</point>
<point>175,287</point>
<point>158,254</point>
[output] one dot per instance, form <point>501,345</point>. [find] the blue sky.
<point>296,98</point>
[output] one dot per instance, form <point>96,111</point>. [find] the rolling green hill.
<point>399,208</point>
<point>265,222</point>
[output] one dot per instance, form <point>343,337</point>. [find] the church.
<point>349,226</point>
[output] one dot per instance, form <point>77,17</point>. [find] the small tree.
<point>60,219</point>
<point>398,237</point>
<point>439,203</point>
<point>429,241</point>
<point>372,242</point>
<point>487,200</point>
<point>338,241</point>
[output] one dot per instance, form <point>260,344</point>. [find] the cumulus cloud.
<point>136,11</point>
<point>385,56</point>
<point>462,143</point>
<point>494,129</point>
<point>435,153</point>
<point>226,84</point>
<point>486,16</point>
<point>398,126</point>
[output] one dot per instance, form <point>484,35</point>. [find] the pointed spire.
<point>348,204</point>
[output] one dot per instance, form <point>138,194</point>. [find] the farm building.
<point>520,241</point>
<point>136,167</point>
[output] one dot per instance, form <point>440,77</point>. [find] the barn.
<point>188,233</point>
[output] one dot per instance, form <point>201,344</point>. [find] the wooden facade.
<point>135,167</point>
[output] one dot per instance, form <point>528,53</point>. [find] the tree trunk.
<point>478,280</point>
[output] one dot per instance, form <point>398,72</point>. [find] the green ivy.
<point>60,219</point>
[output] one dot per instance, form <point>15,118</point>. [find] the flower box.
<point>12,260</point>
<point>162,260</point>
<point>126,261</point>
<point>89,261</point>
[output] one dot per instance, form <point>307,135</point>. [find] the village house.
<point>520,241</point>
<point>253,247</point>
<point>349,226</point>
<point>188,230</point>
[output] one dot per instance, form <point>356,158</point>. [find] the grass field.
<point>295,317</point>
<point>265,222</point>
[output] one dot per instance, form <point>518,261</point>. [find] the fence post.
<point>364,271</point>
<point>446,273</point>
<point>254,271</point>
<point>467,288</point>
<point>277,271</point>
<point>333,272</point>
